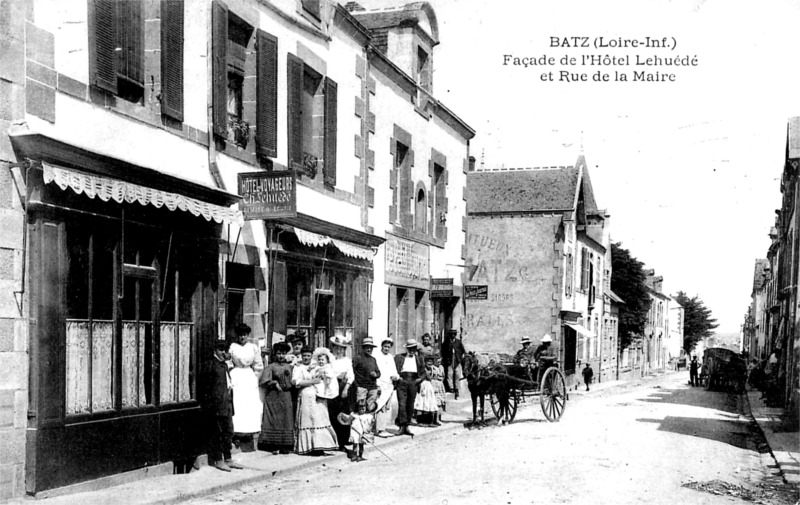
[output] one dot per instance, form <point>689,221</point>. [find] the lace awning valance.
<point>107,189</point>
<point>316,240</point>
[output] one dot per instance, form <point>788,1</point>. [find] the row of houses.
<point>539,263</point>
<point>130,132</point>
<point>170,168</point>
<point>771,322</point>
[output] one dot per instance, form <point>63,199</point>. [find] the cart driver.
<point>544,350</point>
<point>525,355</point>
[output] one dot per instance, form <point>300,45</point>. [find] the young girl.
<point>436,374</point>
<point>425,403</point>
<point>361,427</point>
<point>328,387</point>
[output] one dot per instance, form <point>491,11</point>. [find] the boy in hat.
<point>367,372</point>
<point>219,404</point>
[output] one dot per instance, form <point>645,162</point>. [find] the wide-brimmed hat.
<point>323,350</point>
<point>340,341</point>
<point>412,343</point>
<point>525,340</point>
<point>367,342</point>
<point>547,338</point>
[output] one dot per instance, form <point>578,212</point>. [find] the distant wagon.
<point>723,369</point>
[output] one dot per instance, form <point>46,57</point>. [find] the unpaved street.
<point>644,443</point>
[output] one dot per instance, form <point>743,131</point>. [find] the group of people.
<point>309,401</point>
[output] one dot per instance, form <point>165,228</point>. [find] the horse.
<point>483,380</point>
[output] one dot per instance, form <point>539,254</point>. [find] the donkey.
<point>483,380</point>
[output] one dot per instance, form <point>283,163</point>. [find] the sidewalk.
<point>259,466</point>
<point>784,444</point>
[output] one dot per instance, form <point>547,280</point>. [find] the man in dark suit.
<point>452,359</point>
<point>411,370</point>
<point>218,403</point>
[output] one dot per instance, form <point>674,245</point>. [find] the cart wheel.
<point>553,396</point>
<point>504,406</point>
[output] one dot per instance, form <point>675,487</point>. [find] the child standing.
<point>436,374</point>
<point>425,403</point>
<point>361,427</point>
<point>219,405</point>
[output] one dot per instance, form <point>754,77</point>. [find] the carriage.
<point>509,384</point>
<point>723,369</point>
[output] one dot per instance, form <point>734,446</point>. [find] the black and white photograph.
<point>434,252</point>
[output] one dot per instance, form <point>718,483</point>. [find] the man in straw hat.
<point>411,369</point>
<point>544,350</point>
<point>367,372</point>
<point>524,355</point>
<point>387,401</point>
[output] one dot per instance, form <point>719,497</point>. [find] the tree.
<point>628,282</point>
<point>697,321</point>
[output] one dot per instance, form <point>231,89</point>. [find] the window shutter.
<point>312,6</point>
<point>279,299</point>
<point>172,59</point>
<point>219,67</point>
<point>267,95</point>
<point>102,44</point>
<point>329,154</point>
<point>130,41</point>
<point>294,78</point>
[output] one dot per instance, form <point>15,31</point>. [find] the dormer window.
<point>311,7</point>
<point>423,69</point>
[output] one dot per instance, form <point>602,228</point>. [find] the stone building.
<point>129,132</point>
<point>537,241</point>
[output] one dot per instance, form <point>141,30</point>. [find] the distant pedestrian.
<point>452,360</point>
<point>218,403</point>
<point>588,375</point>
<point>694,366</point>
<point>426,348</point>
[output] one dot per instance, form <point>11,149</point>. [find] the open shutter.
<point>130,41</point>
<point>329,155</point>
<point>277,315</point>
<point>172,59</point>
<point>267,95</point>
<point>219,67</point>
<point>294,78</point>
<point>102,44</point>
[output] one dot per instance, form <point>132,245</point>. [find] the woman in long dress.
<point>277,427</point>
<point>314,431</point>
<point>247,367</point>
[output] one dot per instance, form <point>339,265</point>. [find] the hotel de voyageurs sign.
<point>268,195</point>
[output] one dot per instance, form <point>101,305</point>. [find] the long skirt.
<point>426,398</point>
<point>247,407</point>
<point>277,427</point>
<point>314,430</point>
<point>439,392</point>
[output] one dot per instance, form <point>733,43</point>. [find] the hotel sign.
<point>268,195</point>
<point>407,263</point>
<point>442,288</point>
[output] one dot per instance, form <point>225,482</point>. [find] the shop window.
<point>155,306</point>
<point>312,120</point>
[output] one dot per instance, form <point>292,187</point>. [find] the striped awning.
<point>312,239</point>
<point>106,188</point>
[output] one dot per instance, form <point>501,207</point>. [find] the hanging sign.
<point>441,288</point>
<point>476,292</point>
<point>268,195</point>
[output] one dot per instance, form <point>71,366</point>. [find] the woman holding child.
<point>314,431</point>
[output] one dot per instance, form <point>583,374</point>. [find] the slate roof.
<point>534,190</point>
<point>759,273</point>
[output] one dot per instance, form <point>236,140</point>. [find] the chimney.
<point>472,163</point>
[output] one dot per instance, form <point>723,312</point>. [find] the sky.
<point>689,169</point>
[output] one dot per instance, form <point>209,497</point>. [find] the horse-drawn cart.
<point>723,369</point>
<point>509,385</point>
